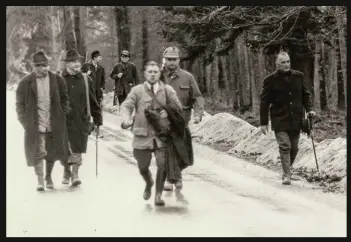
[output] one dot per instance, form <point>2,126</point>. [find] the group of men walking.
<point>58,111</point>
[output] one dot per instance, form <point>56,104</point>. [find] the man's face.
<point>152,73</point>
<point>74,65</point>
<point>98,59</point>
<point>172,63</point>
<point>41,70</point>
<point>283,63</point>
<point>124,58</point>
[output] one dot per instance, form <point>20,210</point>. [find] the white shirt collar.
<point>156,86</point>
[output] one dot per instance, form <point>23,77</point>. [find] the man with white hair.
<point>284,95</point>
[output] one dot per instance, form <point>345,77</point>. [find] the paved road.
<point>222,196</point>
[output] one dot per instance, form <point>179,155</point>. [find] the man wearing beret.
<point>184,83</point>
<point>42,105</point>
<point>125,75</point>
<point>78,120</point>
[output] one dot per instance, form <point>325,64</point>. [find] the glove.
<point>197,120</point>
<point>126,124</point>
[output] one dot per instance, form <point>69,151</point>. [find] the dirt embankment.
<point>231,134</point>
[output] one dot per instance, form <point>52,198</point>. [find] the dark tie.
<point>152,88</point>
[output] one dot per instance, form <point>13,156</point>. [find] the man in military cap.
<point>125,75</point>
<point>78,120</point>
<point>97,73</point>
<point>183,82</point>
<point>41,106</point>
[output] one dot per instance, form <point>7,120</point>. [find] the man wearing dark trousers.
<point>284,95</point>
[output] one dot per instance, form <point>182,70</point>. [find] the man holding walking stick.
<point>284,95</point>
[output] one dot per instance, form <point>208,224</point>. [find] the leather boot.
<point>48,170</point>
<point>285,160</point>
<point>168,186</point>
<point>75,179</point>
<point>160,181</point>
<point>39,171</point>
<point>66,174</point>
<point>149,183</point>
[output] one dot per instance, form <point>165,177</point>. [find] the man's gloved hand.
<point>197,120</point>
<point>163,114</point>
<point>264,129</point>
<point>119,75</point>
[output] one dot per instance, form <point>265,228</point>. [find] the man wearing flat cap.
<point>42,105</point>
<point>184,83</point>
<point>125,75</point>
<point>80,90</point>
<point>97,73</point>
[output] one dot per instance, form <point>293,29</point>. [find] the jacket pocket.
<point>139,131</point>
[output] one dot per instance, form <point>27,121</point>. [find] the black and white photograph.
<point>176,121</point>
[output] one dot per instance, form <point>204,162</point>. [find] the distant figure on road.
<point>80,89</point>
<point>183,82</point>
<point>284,95</point>
<point>147,139</point>
<point>126,76</point>
<point>42,105</point>
<point>97,74</point>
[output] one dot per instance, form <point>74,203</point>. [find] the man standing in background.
<point>126,76</point>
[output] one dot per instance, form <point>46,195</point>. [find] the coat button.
<point>289,93</point>
<point>290,102</point>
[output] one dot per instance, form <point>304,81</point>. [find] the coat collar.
<point>33,82</point>
<point>160,87</point>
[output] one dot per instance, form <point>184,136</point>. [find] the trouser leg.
<point>160,154</point>
<point>75,160</point>
<point>294,140</point>
<point>143,158</point>
<point>283,141</point>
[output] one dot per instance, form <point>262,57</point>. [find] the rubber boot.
<point>160,181</point>
<point>39,171</point>
<point>66,174</point>
<point>48,170</point>
<point>75,179</point>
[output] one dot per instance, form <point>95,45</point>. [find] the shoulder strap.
<point>155,99</point>
<point>87,93</point>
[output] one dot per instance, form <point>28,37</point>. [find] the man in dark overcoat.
<point>42,105</point>
<point>97,74</point>
<point>284,95</point>
<point>78,119</point>
<point>125,75</point>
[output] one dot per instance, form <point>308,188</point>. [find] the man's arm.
<point>265,102</point>
<point>102,83</point>
<point>20,101</point>
<point>95,108</point>
<point>173,97</point>
<point>128,106</point>
<point>198,100</point>
<point>136,78</point>
<point>63,94</point>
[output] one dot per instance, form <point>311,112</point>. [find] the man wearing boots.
<point>125,75</point>
<point>284,95</point>
<point>78,120</point>
<point>187,90</point>
<point>145,141</point>
<point>41,106</point>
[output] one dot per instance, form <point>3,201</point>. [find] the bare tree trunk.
<point>343,51</point>
<point>69,36</point>
<point>82,32</point>
<point>208,79</point>
<point>233,78</point>
<point>78,13</point>
<point>331,81</point>
<point>123,30</point>
<point>145,44</point>
<point>214,77</point>
<point>201,73</point>
<point>244,84</point>
<point>223,63</point>
<point>254,92</point>
<point>261,69</point>
<point>316,77</point>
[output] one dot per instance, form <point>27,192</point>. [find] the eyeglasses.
<point>171,59</point>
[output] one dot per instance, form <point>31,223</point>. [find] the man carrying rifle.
<point>126,76</point>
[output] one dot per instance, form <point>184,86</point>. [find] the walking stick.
<point>314,149</point>
<point>96,144</point>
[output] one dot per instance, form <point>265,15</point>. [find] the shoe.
<point>286,181</point>
<point>159,201</point>
<point>75,179</point>
<point>147,191</point>
<point>179,185</point>
<point>168,186</point>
